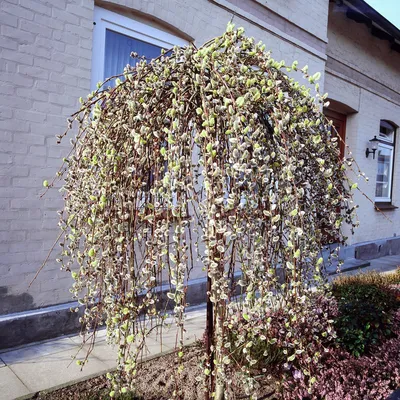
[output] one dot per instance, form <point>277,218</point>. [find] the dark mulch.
<point>156,381</point>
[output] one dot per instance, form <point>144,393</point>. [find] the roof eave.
<point>362,12</point>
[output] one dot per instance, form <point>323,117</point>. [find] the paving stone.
<point>2,364</point>
<point>101,336</point>
<point>381,265</point>
<point>35,351</point>
<point>10,386</point>
<point>194,331</point>
<point>107,353</point>
<point>386,263</point>
<point>349,265</point>
<point>52,370</point>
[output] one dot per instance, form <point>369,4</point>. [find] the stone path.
<point>383,264</point>
<point>47,365</point>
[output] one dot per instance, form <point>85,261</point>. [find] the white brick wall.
<point>41,77</point>
<point>353,45</point>
<point>310,15</point>
<point>45,63</point>
<point>362,127</point>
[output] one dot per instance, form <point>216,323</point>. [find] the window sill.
<point>385,207</point>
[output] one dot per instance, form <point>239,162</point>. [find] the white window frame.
<point>106,19</point>
<point>384,138</point>
<point>390,183</point>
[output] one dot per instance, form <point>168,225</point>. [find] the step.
<point>350,264</point>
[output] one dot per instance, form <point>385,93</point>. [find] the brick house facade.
<point>53,51</point>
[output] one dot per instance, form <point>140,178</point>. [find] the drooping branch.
<point>213,149</point>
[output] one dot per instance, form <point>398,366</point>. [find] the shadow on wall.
<point>10,303</point>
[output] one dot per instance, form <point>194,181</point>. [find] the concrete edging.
<point>50,322</point>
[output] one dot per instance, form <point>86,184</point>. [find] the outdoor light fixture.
<point>374,147</point>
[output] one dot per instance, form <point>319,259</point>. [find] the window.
<point>116,36</point>
<point>384,177</point>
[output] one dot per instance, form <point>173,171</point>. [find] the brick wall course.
<point>45,65</point>
<point>39,80</point>
<point>311,15</point>
<point>352,45</point>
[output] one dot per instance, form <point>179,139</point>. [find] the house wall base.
<point>377,248</point>
<point>40,324</point>
<point>50,322</point>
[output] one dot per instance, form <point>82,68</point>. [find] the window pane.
<point>119,48</point>
<point>386,131</point>
<point>384,175</point>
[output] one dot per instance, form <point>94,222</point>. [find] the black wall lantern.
<point>374,147</point>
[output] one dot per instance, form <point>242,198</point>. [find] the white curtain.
<point>118,50</point>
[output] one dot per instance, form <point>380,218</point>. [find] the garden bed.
<point>156,381</point>
<point>363,362</point>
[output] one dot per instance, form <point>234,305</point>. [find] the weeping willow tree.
<point>209,157</point>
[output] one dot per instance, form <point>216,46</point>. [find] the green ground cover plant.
<point>366,303</point>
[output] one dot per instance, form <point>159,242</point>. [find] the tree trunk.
<point>219,391</point>
<point>209,337</point>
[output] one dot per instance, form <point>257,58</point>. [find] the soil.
<point>156,381</point>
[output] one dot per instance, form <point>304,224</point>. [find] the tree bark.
<point>209,337</point>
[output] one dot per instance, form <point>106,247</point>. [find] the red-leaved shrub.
<point>345,377</point>
<point>285,341</point>
<point>306,357</point>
